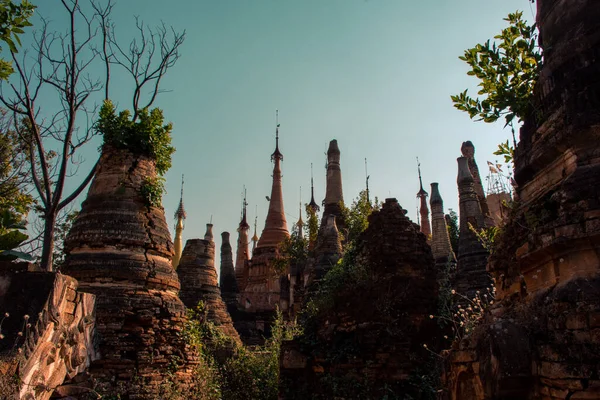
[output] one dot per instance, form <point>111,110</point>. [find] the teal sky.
<point>376,75</point>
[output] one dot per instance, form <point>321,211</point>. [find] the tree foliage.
<point>356,216</point>
<point>507,69</point>
<point>246,373</point>
<point>60,63</point>
<point>312,224</point>
<point>13,18</point>
<point>292,251</point>
<point>148,135</point>
<point>453,231</point>
<point>14,178</point>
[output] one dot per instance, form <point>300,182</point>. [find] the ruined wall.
<point>541,338</point>
<point>366,338</point>
<point>46,333</point>
<point>120,249</point>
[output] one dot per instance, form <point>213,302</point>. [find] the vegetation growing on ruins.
<point>312,224</point>
<point>232,371</point>
<point>292,251</point>
<point>356,216</point>
<point>508,69</point>
<point>147,134</point>
<point>453,231</point>
<point>61,63</point>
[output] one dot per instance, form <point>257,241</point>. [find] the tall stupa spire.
<point>275,230</point>
<point>424,209</point>
<point>334,197</point>
<point>180,215</point>
<point>242,254</point>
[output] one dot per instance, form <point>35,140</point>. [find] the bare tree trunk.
<point>48,240</point>
<point>61,62</point>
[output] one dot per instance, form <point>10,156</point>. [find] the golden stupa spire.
<point>180,216</point>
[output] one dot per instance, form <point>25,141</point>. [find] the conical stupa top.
<point>180,213</point>
<point>422,192</point>
<point>313,204</point>
<point>275,230</point>
<point>244,222</point>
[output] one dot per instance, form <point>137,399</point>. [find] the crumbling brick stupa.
<point>120,249</point>
<point>541,339</point>
<point>199,282</point>
<point>367,340</point>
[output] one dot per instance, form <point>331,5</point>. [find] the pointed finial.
<point>244,222</point>
<point>182,186</point>
<point>422,191</point>
<point>313,204</point>
<point>277,154</point>
<point>367,180</point>
<point>180,212</point>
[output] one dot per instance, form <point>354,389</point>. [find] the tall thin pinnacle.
<point>367,181</point>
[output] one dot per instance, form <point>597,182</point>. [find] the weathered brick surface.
<point>372,339</point>
<point>440,238</point>
<point>198,278</point>
<point>47,332</point>
<point>120,250</point>
<point>471,273</point>
<point>541,339</point>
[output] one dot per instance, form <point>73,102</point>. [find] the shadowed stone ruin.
<point>328,251</point>
<point>468,151</point>
<point>471,274</point>
<point>120,249</point>
<point>541,338</point>
<point>47,328</point>
<point>368,339</point>
<point>199,282</point>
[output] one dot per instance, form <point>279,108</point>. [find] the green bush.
<point>244,373</point>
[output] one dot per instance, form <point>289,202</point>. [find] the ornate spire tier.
<point>262,291</point>
<point>423,210</point>
<point>242,253</point>
<point>275,230</point>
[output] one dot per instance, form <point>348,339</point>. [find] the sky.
<point>376,75</point>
